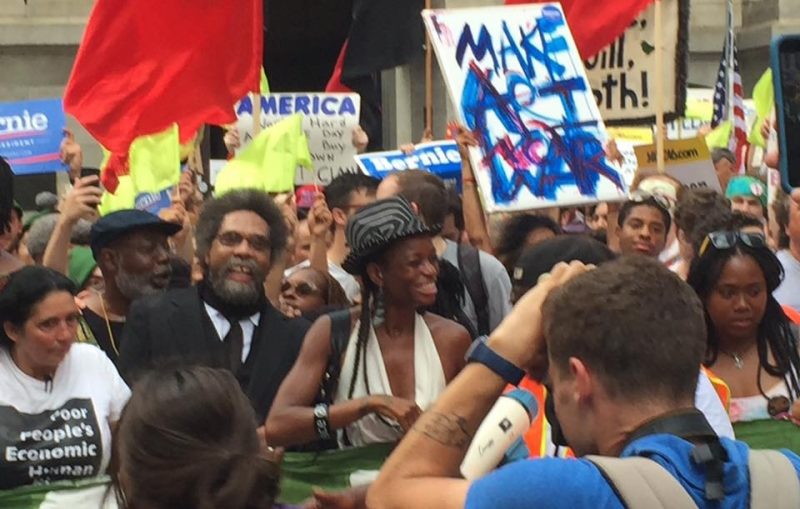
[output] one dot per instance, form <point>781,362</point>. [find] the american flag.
<point>738,140</point>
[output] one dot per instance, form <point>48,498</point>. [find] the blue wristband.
<point>480,352</point>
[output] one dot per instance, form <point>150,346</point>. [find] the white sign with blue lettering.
<point>328,121</point>
<point>439,157</point>
<point>30,135</point>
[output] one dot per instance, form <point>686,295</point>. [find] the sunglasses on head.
<point>728,240</point>
<point>302,288</point>
<point>644,196</point>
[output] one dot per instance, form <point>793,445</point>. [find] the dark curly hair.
<point>259,202</point>
<point>514,234</point>
<point>696,206</point>
<point>774,332</point>
<point>187,440</point>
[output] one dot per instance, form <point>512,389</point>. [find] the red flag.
<point>335,81</point>
<point>143,65</point>
<point>594,24</point>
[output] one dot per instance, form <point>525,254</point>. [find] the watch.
<point>321,421</point>
<point>480,352</point>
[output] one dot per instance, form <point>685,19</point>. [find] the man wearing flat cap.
<point>132,251</point>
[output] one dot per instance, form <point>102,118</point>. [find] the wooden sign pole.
<point>659,86</point>
<point>256,113</point>
<point>428,78</point>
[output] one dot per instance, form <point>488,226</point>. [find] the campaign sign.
<point>438,157</point>
<point>328,123</point>
<point>30,135</point>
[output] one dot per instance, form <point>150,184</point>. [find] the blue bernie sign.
<point>438,157</point>
<point>30,135</point>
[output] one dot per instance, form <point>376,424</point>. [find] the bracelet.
<point>321,421</point>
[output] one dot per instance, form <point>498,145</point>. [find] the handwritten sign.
<point>686,160</point>
<point>517,81</point>
<point>328,122</point>
<point>30,135</point>
<point>623,74</point>
<point>438,157</point>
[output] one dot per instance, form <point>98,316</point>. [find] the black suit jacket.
<point>174,329</point>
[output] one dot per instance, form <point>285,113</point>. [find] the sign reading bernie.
<point>623,75</point>
<point>328,122</point>
<point>30,135</point>
<point>438,157</point>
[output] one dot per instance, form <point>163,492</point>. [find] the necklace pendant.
<point>737,361</point>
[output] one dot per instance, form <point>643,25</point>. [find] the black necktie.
<point>234,344</point>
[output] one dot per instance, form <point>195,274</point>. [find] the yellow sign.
<point>689,161</point>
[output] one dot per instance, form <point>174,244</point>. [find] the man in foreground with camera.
<point>619,345</point>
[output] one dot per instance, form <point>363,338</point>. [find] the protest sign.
<point>30,135</point>
<point>328,122</point>
<point>438,157</point>
<point>622,75</point>
<point>517,81</point>
<point>686,160</point>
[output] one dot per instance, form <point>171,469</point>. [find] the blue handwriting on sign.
<point>545,153</point>
<point>309,104</point>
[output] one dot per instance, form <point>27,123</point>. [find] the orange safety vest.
<point>722,389</point>
<point>792,314</point>
<point>537,438</point>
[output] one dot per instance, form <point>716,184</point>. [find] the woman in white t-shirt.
<point>58,400</point>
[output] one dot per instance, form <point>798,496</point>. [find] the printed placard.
<point>623,75</point>
<point>57,444</point>
<point>517,81</point>
<point>328,122</point>
<point>438,157</point>
<point>689,161</point>
<point>30,135</point>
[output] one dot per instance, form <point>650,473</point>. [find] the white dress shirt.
<point>223,326</point>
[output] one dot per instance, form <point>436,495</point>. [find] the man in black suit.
<point>226,321</point>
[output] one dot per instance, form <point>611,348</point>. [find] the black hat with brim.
<point>117,224</point>
<point>376,226</point>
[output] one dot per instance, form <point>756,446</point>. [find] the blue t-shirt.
<point>557,483</point>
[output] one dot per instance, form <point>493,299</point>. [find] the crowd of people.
<point>341,349</point>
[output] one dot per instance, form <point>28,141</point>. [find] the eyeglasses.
<point>728,240</point>
<point>644,197</point>
<point>233,239</point>
<point>303,289</point>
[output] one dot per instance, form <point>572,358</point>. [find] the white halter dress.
<point>428,378</point>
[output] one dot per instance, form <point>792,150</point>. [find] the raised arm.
<point>80,203</point>
<point>474,219</point>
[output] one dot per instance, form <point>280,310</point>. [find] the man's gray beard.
<point>134,286</point>
<point>233,292</point>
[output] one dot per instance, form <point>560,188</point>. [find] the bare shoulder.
<point>451,338</point>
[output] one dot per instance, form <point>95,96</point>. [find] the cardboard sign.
<point>439,157</point>
<point>622,75</point>
<point>686,160</point>
<point>30,135</point>
<point>328,122</point>
<point>516,80</point>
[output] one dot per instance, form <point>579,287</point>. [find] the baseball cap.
<point>117,224</point>
<point>744,185</point>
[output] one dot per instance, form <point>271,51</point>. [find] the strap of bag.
<point>340,334</point>
<point>642,483</point>
<point>773,481</point>
<point>469,265</point>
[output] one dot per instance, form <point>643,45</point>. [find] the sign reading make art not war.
<point>439,157</point>
<point>623,75</point>
<point>328,122</point>
<point>30,135</point>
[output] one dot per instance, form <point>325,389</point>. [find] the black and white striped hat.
<point>374,227</point>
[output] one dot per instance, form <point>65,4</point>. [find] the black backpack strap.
<point>469,265</point>
<point>340,334</point>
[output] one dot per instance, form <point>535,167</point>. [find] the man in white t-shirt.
<point>345,195</point>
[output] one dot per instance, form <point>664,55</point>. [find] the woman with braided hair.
<point>383,376</point>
